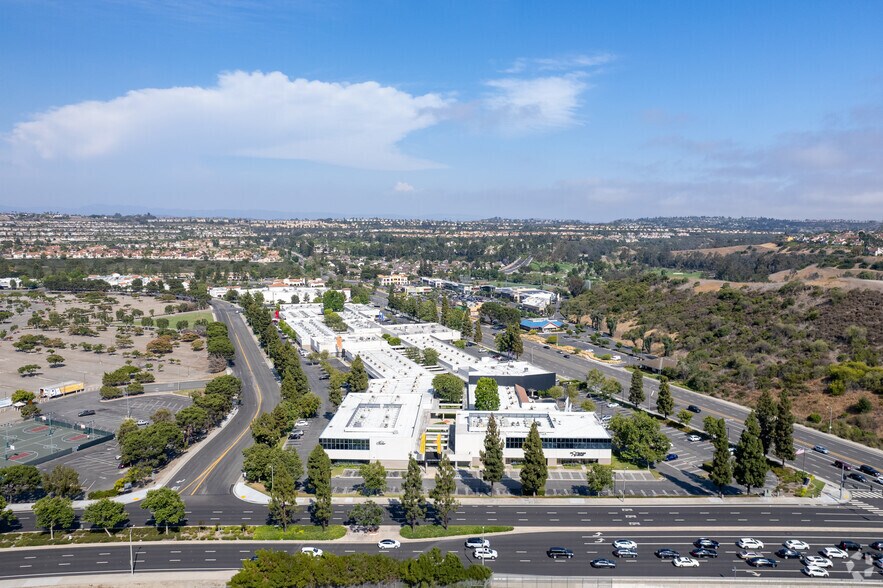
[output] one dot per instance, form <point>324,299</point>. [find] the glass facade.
<point>563,443</point>
<point>346,444</point>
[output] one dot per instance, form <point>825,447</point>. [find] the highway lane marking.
<point>26,566</point>
<point>35,557</point>
<point>171,560</point>
<point>349,550</point>
<point>245,551</point>
<point>100,562</point>
<point>210,551</point>
<point>520,551</point>
<point>200,479</point>
<point>178,551</point>
<point>525,560</point>
<point>67,555</point>
<point>107,553</point>
<point>208,559</point>
<point>66,563</point>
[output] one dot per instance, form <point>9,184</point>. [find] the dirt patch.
<point>761,248</point>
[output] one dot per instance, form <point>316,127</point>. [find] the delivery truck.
<point>62,389</point>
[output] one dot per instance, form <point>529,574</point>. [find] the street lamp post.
<point>131,552</point>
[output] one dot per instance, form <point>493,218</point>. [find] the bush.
<point>97,494</point>
<point>135,388</point>
<point>814,418</point>
<point>109,393</point>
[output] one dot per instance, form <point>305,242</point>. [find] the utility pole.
<point>131,552</point>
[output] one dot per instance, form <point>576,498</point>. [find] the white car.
<point>835,553</point>
<point>142,422</point>
<point>749,543</point>
<point>612,405</point>
<point>302,423</point>
<point>796,545</point>
<point>314,551</point>
<point>388,544</point>
<point>815,572</point>
<point>624,544</point>
<point>685,562</point>
<point>694,438</point>
<point>749,554</point>
<point>477,542</point>
<point>817,561</point>
<point>485,553</point>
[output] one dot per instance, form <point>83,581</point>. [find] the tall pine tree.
<point>319,474</point>
<point>477,331</point>
<point>750,467</point>
<point>636,389</point>
<point>721,465</point>
<point>413,503</point>
<point>492,456</point>
<point>466,326</point>
<point>665,404</point>
<point>443,500</point>
<point>358,377</point>
<point>783,435</point>
<point>534,471</point>
<point>766,419</point>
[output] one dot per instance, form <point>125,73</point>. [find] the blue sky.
<point>583,110</point>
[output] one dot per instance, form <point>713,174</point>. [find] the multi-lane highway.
<point>518,554</point>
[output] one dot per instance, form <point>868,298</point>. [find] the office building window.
<point>346,444</point>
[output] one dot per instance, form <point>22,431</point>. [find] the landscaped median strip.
<point>436,531</point>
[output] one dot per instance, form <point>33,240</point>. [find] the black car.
<point>296,434</point>
<point>868,470</point>
<point>786,553</point>
<point>858,477</point>
<point>878,545</point>
<point>702,552</point>
<point>87,412</point>
<point>603,562</point>
<point>666,553</point>
<point>625,553</point>
<point>706,543</point>
<point>694,408</point>
<point>762,562</point>
<point>559,552</point>
<point>849,546</point>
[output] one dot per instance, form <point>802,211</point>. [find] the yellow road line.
<point>200,479</point>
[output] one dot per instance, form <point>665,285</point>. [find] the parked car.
<point>815,572</point>
<point>476,542</point>
<point>142,422</point>
<point>839,463</point>
<point>388,544</point>
<point>603,562</point>
<point>821,449</point>
<point>694,408</point>
<point>296,434</point>
<point>706,543</point>
<point>302,423</point>
<point>878,545</point>
<point>87,412</point>
<point>314,551</point>
<point>796,544</point>
<point>670,457</point>
<point>559,552</point>
<point>786,553</point>
<point>666,553</point>
<point>847,545</point>
<point>625,544</point>
<point>485,553</point>
<point>703,552</point>
<point>694,438</point>
<point>763,562</point>
<point>749,543</point>
<point>685,562</point>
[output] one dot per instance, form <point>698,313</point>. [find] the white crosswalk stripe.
<point>865,506</point>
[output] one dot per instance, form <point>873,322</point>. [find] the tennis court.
<point>43,438</point>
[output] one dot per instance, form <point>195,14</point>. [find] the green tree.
<point>54,512</point>
<point>611,388</point>
<point>594,380</point>
<point>62,481</point>
<point>443,498</point>
<point>7,517</point>
<point>487,396</point>
<point>750,466</point>
<point>319,476</point>
<point>492,456</point>
<point>333,300</point>
<point>367,515</point>
<point>685,416</point>
<point>477,330</point>
<point>534,471</point>
<point>106,513</point>
<point>721,472</point>
<point>665,404</point>
<point>638,438</point>
<point>599,477</point>
<point>29,369</point>
<point>783,433</point>
<point>509,341</point>
<point>374,478</point>
<point>428,312</point>
<point>448,387</point>
<point>283,498</point>
<point>25,396</point>
<point>165,505</point>
<point>19,480</point>
<point>766,419</point>
<point>430,356</point>
<point>413,503</point>
<point>193,421</point>
<point>358,377</point>
<point>54,360</point>
<point>466,326</point>
<point>636,388</point>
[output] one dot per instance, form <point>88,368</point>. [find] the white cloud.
<point>247,115</point>
<point>519,105</point>
<point>561,63</point>
<point>403,187</point>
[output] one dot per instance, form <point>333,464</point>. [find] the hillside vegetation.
<point>821,345</point>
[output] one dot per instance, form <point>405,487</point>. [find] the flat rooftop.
<point>557,424</point>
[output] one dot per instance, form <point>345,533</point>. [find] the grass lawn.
<point>299,533</point>
<point>618,464</point>
<point>187,316</point>
<point>433,531</point>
